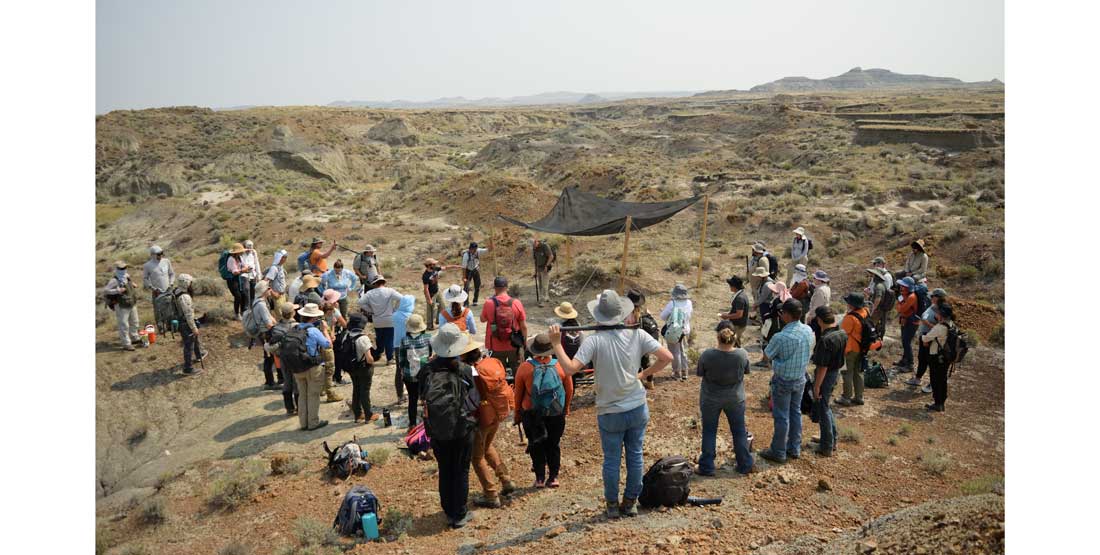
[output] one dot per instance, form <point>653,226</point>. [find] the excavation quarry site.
<point>212,463</point>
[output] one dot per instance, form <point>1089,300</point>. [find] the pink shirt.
<point>488,314</point>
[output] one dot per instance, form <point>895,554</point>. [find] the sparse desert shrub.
<point>931,440</point>
<point>238,485</point>
<point>208,286</point>
<point>679,265</point>
<point>586,271</point>
<point>218,315</point>
<point>997,338</point>
<point>858,206</point>
<point>311,532</point>
<point>849,435</point>
<point>880,456</point>
<point>893,440</point>
<point>397,522</point>
<point>990,483</point>
<point>905,430</point>
<point>953,234</point>
<point>935,462</point>
<point>102,315</point>
<point>380,241</point>
<point>135,549</point>
<point>379,456</point>
<point>968,272</point>
<point>993,268</point>
<point>235,547</point>
<point>153,511</point>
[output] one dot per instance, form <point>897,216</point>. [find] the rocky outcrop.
<point>139,179</point>
<point>948,139</point>
<point>394,132</point>
<point>288,151</point>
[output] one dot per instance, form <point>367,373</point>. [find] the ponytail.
<point>725,336</point>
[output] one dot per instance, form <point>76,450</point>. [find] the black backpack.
<point>649,325</point>
<point>293,353</point>
<point>667,482</point>
<point>347,355</point>
<point>358,501</point>
<point>345,460</point>
<point>867,335</point>
<point>445,395</point>
<point>951,350</point>
<point>773,264</point>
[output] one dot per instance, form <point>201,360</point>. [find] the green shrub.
<point>208,286</point>
<point>953,234</point>
<point>968,272</point>
<point>397,522</point>
<point>311,532</point>
<point>219,315</point>
<point>990,483</point>
<point>238,485</point>
<point>379,456</point>
<point>993,268</point>
<point>679,265</point>
<point>858,206</point>
<point>849,435</point>
<point>905,430</point>
<point>935,462</point>
<point>893,440</point>
<point>153,511</point>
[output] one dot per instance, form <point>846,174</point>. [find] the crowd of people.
<point>481,367</point>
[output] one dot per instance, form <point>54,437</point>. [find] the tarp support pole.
<point>702,241</point>
<point>626,252</point>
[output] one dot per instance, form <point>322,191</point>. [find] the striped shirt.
<point>790,350</point>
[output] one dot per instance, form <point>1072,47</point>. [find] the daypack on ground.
<point>674,328</point>
<point>504,318</point>
<point>345,460</point>
<point>547,391</point>
<point>417,439</point>
<point>875,376</point>
<point>166,309</point>
<point>253,327</point>
<point>667,482</point>
<point>293,353</point>
<point>497,396</point>
<point>223,265</point>
<point>358,501</point>
<point>444,405</point>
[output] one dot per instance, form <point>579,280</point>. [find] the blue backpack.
<point>223,265</point>
<point>547,391</point>
<point>303,262</point>
<point>359,500</point>
<point>923,302</point>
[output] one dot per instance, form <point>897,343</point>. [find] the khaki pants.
<point>738,331</point>
<point>310,383</point>
<point>543,284</point>
<point>754,284</point>
<point>486,461</point>
<point>127,324</point>
<point>432,310</point>
<point>853,376</point>
<point>805,260</point>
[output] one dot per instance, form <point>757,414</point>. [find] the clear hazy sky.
<point>220,53</point>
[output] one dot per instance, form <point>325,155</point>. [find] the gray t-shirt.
<point>616,355</point>
<point>379,303</point>
<point>277,275</point>
<point>261,313</point>
<point>724,371</point>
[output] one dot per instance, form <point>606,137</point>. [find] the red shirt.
<point>488,315</point>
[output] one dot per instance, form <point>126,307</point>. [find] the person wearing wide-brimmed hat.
<point>365,266</point>
<point>679,309</point>
<point>188,328</point>
<point>121,293</point>
<point>852,324</point>
<point>251,260</point>
<point>360,367</point>
<point>801,287</point>
<point>822,294</point>
<point>335,323</point>
<point>412,353</point>
<point>309,291</point>
<point>311,380</point>
<point>770,322</point>
<point>379,303</point>
<point>916,264</point>
<point>800,253</point>
<point>544,431</point>
<point>759,259</point>
<point>495,397</point>
<point>928,320</point>
<point>446,372</point>
<point>880,299</point>
<point>433,301</point>
<point>621,410</point>
<point>909,320</point>
<point>471,269</point>
<point>453,310</point>
<point>238,283</point>
<point>318,261</point>
<point>157,275</point>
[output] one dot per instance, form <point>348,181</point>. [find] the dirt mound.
<point>977,317</point>
<point>974,524</point>
<point>477,198</point>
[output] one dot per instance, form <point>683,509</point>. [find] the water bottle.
<point>386,420</point>
<point>370,526</point>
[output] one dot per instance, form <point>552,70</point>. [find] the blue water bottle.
<point>370,526</point>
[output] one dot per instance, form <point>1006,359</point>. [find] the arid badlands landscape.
<point>865,169</point>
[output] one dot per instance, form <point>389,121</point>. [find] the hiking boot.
<point>358,418</point>
<point>613,509</point>
<point>823,453</point>
<point>271,387</point>
<point>912,381</point>
<point>629,507</point>
<point>791,455</point>
<point>843,401</point>
<point>926,389</point>
<point>466,518</point>
<point>857,402</point>
<point>934,407</point>
<point>702,472</point>
<point>507,488</point>
<point>553,483</point>
<point>333,397</point>
<point>193,372</point>
<point>769,456</point>
<point>488,502</point>
<point>320,425</point>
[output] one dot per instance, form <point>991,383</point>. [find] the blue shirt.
<point>315,340</point>
<point>930,314</point>
<point>790,349</point>
<point>342,283</point>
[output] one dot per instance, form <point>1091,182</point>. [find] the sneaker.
<point>613,509</point>
<point>843,401</point>
<point>333,397</point>
<point>912,381</point>
<point>903,369</point>
<point>374,417</point>
<point>767,455</point>
<point>629,507</point>
<point>857,402</point>
<point>926,389</point>
<point>320,425</point>
<point>934,407</point>
<point>815,439</point>
<point>553,483</point>
<point>488,502</point>
<point>463,521</point>
<point>508,488</point>
<point>342,381</point>
<point>791,455</point>
<point>540,483</point>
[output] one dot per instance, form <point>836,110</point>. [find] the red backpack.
<point>497,397</point>
<point>504,318</point>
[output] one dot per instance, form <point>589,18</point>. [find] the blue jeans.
<point>619,430</point>
<point>908,332</point>
<point>712,403</point>
<point>787,413</point>
<point>383,342</point>
<point>825,414</point>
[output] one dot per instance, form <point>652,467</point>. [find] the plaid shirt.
<point>411,342</point>
<point>790,349</point>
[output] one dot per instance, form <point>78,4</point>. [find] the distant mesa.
<point>858,78</point>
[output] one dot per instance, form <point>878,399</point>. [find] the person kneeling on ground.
<point>827,359</point>
<point>496,402</point>
<point>621,410</point>
<point>543,395</point>
<point>789,352</point>
<point>450,404</point>
<point>723,390</point>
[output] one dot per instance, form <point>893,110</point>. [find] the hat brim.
<point>307,314</point>
<point>760,274</point>
<point>566,315</point>
<point>607,319</point>
<point>448,351</point>
<point>459,299</point>
<point>471,345</point>
<point>417,329</point>
<point>534,352</point>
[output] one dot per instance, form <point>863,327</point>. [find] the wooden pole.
<point>626,251</point>
<point>702,241</point>
<point>493,250</point>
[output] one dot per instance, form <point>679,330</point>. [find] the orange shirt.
<point>525,376</point>
<point>315,259</point>
<point>851,326</point>
<point>907,307</point>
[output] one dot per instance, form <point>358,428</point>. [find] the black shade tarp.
<point>581,213</point>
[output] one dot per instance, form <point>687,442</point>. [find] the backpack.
<point>364,264</point>
<point>948,352</point>
<point>666,483</point>
<point>293,353</point>
<point>349,355</point>
<point>445,417</point>
<point>496,394</point>
<point>459,320</point>
<point>345,460</point>
<point>868,335</point>
<point>417,439</point>
<point>547,391</point>
<point>358,501</point>
<point>253,328</point>
<point>674,327</point>
<point>303,262</point>
<point>504,318</point>
<point>875,376</point>
<point>223,265</point>
<point>923,301</point>
<point>166,309</point>
<point>649,325</point>
<point>773,264</point>
<point>417,358</point>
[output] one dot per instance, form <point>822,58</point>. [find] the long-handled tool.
<point>600,327</point>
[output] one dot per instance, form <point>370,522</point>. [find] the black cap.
<point>473,245</point>
<point>500,281</point>
<point>736,281</point>
<point>724,324</point>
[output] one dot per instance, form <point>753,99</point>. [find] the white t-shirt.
<point>617,355</point>
<point>363,346</point>
<point>684,305</point>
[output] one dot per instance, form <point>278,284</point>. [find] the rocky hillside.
<point>865,79</point>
